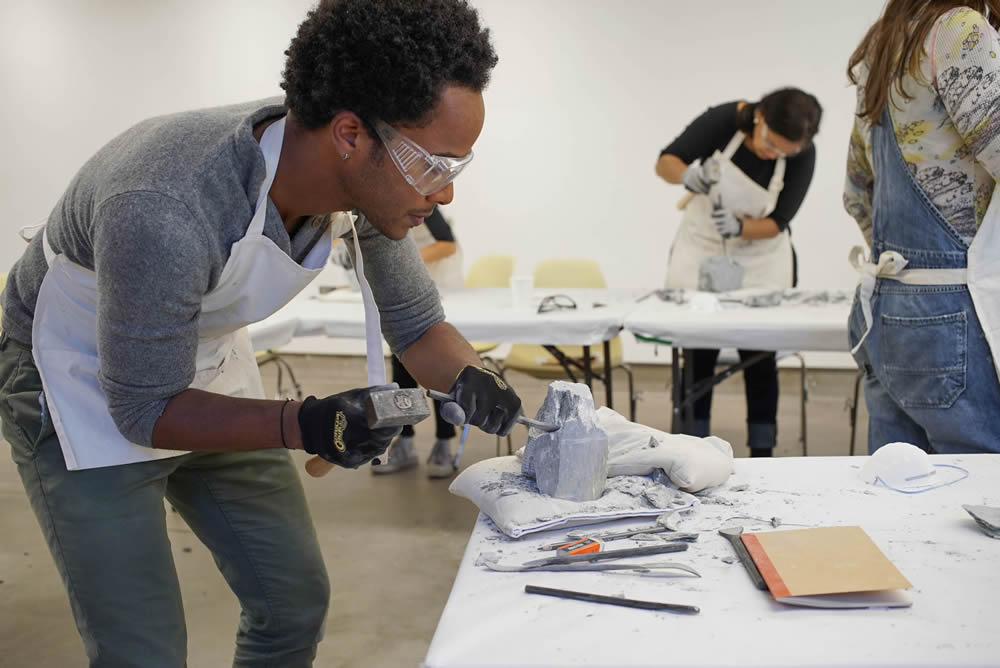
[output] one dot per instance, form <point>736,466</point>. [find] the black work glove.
<point>489,402</point>
<point>336,428</point>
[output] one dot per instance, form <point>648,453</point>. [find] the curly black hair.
<point>384,60</point>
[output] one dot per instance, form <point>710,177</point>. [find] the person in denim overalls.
<point>925,325</point>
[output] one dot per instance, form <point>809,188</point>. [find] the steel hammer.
<point>384,408</point>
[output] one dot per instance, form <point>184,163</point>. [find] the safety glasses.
<point>770,144</point>
<point>427,173</point>
<point>556,303</point>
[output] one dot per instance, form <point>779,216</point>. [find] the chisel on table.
<point>611,600</point>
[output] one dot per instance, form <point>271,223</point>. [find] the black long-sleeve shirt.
<point>713,130</point>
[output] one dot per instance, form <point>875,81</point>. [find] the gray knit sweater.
<point>154,213</point>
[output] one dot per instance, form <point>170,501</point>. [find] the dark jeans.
<point>443,429</point>
<point>760,382</point>
<point>107,532</point>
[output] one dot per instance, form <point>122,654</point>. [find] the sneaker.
<point>441,463</point>
<point>400,457</point>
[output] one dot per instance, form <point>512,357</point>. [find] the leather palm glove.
<point>487,400</point>
<point>336,428</point>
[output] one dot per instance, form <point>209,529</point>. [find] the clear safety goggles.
<point>769,143</point>
<point>426,172</point>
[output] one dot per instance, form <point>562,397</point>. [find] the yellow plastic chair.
<point>489,271</point>
<point>535,360</point>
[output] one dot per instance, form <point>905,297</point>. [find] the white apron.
<point>982,276</point>
<point>257,280</point>
<point>766,262</point>
<point>446,272</point>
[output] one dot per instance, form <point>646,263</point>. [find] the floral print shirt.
<point>949,133</point>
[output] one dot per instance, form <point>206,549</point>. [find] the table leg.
<point>688,386</point>
<point>609,401</point>
<point>588,371</point>
<point>676,389</point>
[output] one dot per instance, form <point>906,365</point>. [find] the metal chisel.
<point>542,426</point>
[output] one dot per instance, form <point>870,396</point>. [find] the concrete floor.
<point>406,532</point>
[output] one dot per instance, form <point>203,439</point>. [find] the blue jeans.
<point>929,375</point>
<point>106,530</point>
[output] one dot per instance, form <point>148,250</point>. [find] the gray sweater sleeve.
<point>153,262</point>
<point>407,299</point>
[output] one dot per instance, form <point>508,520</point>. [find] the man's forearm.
<point>759,228</point>
<point>437,357</point>
<point>200,420</point>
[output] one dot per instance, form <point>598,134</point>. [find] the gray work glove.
<point>726,223</point>
<point>700,177</point>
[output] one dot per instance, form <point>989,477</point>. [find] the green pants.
<point>106,530</point>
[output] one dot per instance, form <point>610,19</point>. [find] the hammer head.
<point>395,408</point>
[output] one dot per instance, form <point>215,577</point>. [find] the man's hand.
<point>336,428</point>
<point>489,402</point>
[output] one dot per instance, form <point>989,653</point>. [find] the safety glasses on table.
<point>426,172</point>
<point>556,303</point>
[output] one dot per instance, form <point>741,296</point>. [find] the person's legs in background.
<point>704,367</point>
<point>760,381</point>
<point>401,455</point>
<point>441,463</point>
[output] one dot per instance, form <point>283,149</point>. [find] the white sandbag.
<point>512,500</point>
<point>691,463</point>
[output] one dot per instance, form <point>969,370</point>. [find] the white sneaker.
<point>441,463</point>
<point>400,457</point>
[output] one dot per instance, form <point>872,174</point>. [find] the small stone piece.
<point>572,462</point>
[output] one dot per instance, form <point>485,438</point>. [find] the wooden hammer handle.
<point>318,467</point>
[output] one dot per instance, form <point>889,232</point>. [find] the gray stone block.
<point>719,274</point>
<point>571,463</point>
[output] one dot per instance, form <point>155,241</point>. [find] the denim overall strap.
<point>923,236</point>
<point>917,248</point>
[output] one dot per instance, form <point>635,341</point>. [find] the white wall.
<point>586,94</point>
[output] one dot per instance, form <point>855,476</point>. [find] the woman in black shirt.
<point>747,167</point>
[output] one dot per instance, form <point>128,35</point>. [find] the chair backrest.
<point>490,271</point>
<point>569,273</point>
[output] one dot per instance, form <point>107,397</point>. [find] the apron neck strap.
<point>270,146</point>
<point>373,322</point>
<point>734,144</point>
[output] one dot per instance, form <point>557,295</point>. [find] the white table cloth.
<point>955,569</point>
<point>784,327</point>
<point>479,314</point>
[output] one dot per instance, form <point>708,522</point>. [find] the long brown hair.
<point>893,47</point>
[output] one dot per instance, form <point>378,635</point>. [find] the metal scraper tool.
<point>732,534</point>
<point>541,426</point>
